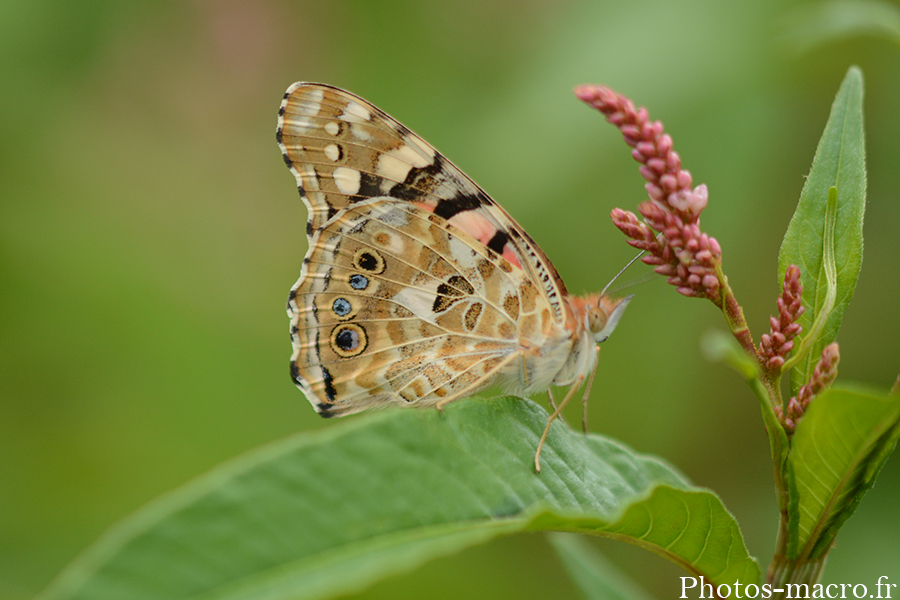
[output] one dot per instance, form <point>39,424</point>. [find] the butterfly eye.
<point>604,317</point>
<point>368,260</point>
<point>596,319</point>
<point>348,340</point>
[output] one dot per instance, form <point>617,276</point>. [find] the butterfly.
<point>417,288</point>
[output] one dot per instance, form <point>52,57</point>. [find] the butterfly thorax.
<point>589,321</point>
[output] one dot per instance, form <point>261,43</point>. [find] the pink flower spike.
<point>675,205</point>
<point>823,375</point>
<point>784,328</point>
<point>821,379</point>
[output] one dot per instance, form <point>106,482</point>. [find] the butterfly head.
<point>602,314</point>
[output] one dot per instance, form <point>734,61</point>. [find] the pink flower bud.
<point>664,146</point>
<point>667,270</point>
<point>667,182</point>
<point>794,409</point>
<point>650,175</point>
<point>630,132</point>
<point>648,149</point>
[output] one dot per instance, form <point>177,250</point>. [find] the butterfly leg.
<point>550,398</point>
<point>553,403</point>
<point>587,392</point>
<point>562,405</point>
<point>524,370</point>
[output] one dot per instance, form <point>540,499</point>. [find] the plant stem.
<point>783,572</point>
<point>766,386</point>
<point>734,314</point>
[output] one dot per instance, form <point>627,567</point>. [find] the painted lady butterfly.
<point>418,288</point>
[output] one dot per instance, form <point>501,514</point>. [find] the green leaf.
<point>592,573</point>
<point>815,234</point>
<point>839,446</point>
<point>328,513</point>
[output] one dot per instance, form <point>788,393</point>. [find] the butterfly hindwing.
<point>396,307</point>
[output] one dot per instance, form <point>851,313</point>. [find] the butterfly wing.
<point>417,287</point>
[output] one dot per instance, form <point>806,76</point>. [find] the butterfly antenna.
<point>637,281</point>
<point>611,281</point>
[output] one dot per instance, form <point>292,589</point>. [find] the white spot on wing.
<point>392,168</point>
<point>419,301</point>
<point>315,96</point>
<point>355,109</point>
<point>332,127</point>
<point>394,243</point>
<point>332,152</point>
<point>414,155</point>
<point>395,217</point>
<point>360,133</point>
<point>463,254</point>
<point>295,125</point>
<point>396,164</point>
<point>308,104</point>
<point>346,180</point>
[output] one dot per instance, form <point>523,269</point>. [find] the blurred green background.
<point>149,233</point>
